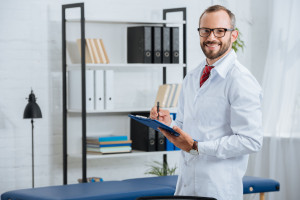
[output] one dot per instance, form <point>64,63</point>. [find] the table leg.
<point>262,196</point>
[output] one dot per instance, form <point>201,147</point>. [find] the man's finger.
<point>167,134</point>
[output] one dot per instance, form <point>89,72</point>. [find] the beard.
<point>213,55</point>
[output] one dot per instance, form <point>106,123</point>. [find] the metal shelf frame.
<point>83,81</point>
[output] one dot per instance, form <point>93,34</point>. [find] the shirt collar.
<point>223,65</point>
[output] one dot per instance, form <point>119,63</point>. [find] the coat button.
<point>251,189</point>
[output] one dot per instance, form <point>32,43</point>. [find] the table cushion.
<point>128,189</point>
<point>257,184</point>
<point>109,190</point>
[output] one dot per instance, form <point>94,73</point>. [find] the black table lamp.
<point>32,111</point>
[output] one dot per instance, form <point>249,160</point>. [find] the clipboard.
<point>152,123</point>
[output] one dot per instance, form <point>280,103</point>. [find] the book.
<point>109,149</point>
<point>90,49</point>
<point>171,95</point>
<point>109,142</point>
<point>176,96</point>
<point>109,138</point>
<point>162,95</point>
<point>100,51</point>
<point>108,145</point>
<point>88,58</point>
<point>104,51</point>
<point>94,50</point>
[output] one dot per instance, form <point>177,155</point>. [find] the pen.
<point>158,110</point>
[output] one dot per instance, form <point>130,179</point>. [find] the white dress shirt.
<point>224,116</point>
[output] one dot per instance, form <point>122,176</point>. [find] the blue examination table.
<point>129,189</point>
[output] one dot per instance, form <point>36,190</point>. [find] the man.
<point>218,116</point>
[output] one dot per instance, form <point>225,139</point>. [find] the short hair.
<point>216,8</point>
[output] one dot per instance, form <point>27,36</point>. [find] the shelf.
<point>120,56</point>
<point>121,66</point>
<point>132,154</point>
<point>125,110</point>
<point>112,21</point>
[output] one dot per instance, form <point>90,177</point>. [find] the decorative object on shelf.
<point>91,180</point>
<point>161,169</point>
<point>239,43</point>
<point>32,111</point>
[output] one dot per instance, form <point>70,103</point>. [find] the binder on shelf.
<point>166,47</point>
<point>169,145</point>
<point>160,141</point>
<point>109,89</point>
<point>74,89</point>
<point>88,58</point>
<point>139,44</point>
<point>156,42</point>
<point>143,137</point>
<point>99,89</point>
<point>175,45</point>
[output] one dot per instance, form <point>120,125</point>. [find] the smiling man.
<point>218,116</point>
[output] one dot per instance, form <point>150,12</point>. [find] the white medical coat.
<point>224,116</point>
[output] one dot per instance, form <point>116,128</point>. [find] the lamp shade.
<point>32,109</point>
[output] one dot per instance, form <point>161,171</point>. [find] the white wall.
<point>30,46</point>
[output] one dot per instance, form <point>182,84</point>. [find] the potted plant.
<point>239,43</point>
<point>161,169</point>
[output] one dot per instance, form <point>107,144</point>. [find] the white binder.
<point>99,90</point>
<point>109,89</point>
<point>74,90</point>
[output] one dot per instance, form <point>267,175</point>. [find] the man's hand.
<point>183,141</point>
<point>164,115</point>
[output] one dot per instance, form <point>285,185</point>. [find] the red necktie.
<point>205,74</point>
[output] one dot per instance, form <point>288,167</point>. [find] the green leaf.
<point>239,43</point>
<point>161,169</point>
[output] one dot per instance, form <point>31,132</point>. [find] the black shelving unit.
<point>83,83</point>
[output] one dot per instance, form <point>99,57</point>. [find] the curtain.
<point>279,158</point>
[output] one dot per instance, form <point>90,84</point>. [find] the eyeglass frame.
<point>213,30</point>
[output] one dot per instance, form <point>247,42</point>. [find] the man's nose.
<point>211,35</point>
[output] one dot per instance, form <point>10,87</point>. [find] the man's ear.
<point>234,35</point>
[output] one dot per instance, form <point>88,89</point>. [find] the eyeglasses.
<point>218,32</point>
